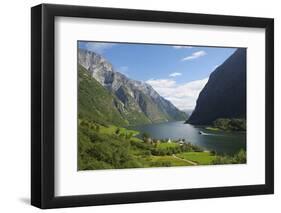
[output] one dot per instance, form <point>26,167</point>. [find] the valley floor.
<point>112,147</point>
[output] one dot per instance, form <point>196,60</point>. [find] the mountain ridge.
<point>136,97</point>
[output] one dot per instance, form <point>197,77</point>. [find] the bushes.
<point>222,123</point>
<point>161,164</point>
<point>222,160</point>
<point>238,124</point>
<point>213,152</point>
<point>102,151</point>
<point>230,124</point>
<point>165,148</point>
<point>141,145</point>
<point>239,158</point>
<point>189,147</point>
<point>165,151</point>
<point>88,163</point>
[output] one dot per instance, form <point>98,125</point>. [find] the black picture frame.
<point>43,102</point>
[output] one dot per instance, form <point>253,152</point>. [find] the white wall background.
<point>15,105</point>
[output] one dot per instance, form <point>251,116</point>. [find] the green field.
<point>167,145</point>
<point>201,158</point>
<point>212,128</point>
<point>155,161</point>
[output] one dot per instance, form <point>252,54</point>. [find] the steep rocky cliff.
<point>224,95</point>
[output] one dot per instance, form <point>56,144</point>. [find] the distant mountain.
<point>224,95</point>
<point>188,112</point>
<point>136,102</point>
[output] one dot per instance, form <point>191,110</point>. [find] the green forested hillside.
<point>227,124</point>
<point>99,104</point>
<point>95,103</point>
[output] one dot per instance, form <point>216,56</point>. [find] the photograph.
<point>160,105</point>
<point>139,105</point>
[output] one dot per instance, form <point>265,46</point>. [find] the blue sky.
<point>178,73</point>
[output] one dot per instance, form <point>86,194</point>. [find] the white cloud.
<point>124,70</point>
<point>195,55</point>
<point>174,74</point>
<point>182,47</point>
<point>183,96</point>
<point>98,47</point>
<point>161,83</point>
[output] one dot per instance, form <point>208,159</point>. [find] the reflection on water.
<point>221,142</point>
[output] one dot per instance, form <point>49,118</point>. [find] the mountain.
<point>95,102</point>
<point>136,101</point>
<point>188,112</point>
<point>224,95</point>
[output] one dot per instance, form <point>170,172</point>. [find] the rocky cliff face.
<point>224,95</point>
<point>137,98</point>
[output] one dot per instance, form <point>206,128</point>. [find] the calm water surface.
<point>221,142</point>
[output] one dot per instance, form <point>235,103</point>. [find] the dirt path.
<point>188,161</point>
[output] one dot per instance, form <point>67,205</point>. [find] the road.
<point>188,161</point>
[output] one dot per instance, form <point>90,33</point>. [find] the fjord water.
<point>219,141</point>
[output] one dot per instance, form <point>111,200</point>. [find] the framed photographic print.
<point>139,106</point>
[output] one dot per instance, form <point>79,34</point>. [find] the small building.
<point>181,142</point>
